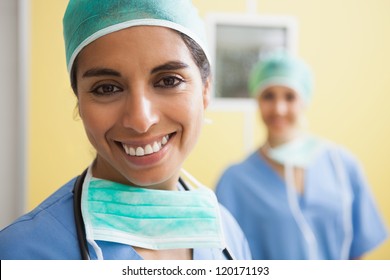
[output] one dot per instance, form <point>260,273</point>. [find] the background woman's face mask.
<point>299,152</point>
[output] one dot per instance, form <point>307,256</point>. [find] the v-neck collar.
<point>281,182</point>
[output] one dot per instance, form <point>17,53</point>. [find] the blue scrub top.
<point>49,232</point>
<point>257,197</point>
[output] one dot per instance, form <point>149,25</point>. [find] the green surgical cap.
<point>87,20</point>
<point>283,69</point>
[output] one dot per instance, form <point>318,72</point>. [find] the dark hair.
<point>198,55</point>
<point>196,51</point>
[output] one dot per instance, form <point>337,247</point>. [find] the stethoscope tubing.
<point>80,227</point>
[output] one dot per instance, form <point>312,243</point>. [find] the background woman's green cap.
<point>284,69</point>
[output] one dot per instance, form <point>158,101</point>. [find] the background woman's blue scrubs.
<point>256,196</point>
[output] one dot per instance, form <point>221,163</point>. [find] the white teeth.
<point>131,151</point>
<point>126,149</point>
<point>156,147</point>
<point>139,152</point>
<point>164,140</point>
<point>147,150</point>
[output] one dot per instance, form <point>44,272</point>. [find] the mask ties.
<point>298,215</point>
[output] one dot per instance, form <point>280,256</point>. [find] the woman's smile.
<point>147,153</point>
<point>140,150</point>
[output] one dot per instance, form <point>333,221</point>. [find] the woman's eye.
<point>169,82</point>
<point>106,89</point>
<point>290,96</point>
<point>268,95</point>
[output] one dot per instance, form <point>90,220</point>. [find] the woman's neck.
<point>171,254</point>
<point>275,141</point>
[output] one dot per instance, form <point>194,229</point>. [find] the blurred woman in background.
<point>298,196</point>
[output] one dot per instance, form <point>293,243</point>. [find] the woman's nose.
<point>139,113</point>
<point>280,107</point>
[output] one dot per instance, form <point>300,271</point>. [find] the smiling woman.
<point>140,72</point>
<point>139,101</point>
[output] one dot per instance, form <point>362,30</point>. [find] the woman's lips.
<point>147,154</point>
<point>147,149</point>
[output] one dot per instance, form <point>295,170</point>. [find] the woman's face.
<point>142,100</point>
<point>281,109</point>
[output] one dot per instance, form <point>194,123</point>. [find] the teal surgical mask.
<point>299,153</point>
<point>151,219</point>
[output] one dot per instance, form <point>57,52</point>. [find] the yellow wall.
<point>346,42</point>
<point>57,147</point>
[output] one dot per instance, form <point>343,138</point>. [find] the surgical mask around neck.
<point>299,152</point>
<point>151,219</point>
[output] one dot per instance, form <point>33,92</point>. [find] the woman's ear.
<point>206,93</point>
<point>76,112</point>
<point>78,107</point>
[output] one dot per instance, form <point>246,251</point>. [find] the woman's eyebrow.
<point>171,65</point>
<point>95,72</point>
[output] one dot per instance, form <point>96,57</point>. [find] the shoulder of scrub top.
<point>234,236</point>
<point>47,232</point>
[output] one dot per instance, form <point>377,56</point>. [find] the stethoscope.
<point>80,228</point>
